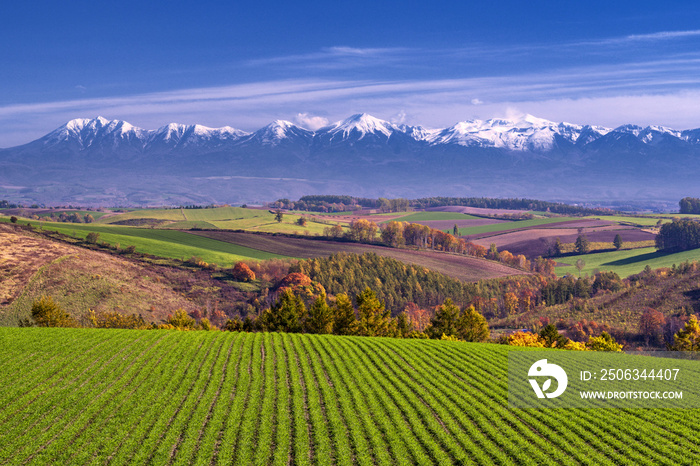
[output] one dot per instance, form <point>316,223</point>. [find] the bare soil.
<point>474,210</point>
<point>464,268</point>
<point>535,242</point>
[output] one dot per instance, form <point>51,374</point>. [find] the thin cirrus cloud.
<point>336,58</point>
<point>662,89</point>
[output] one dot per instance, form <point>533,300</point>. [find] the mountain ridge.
<point>528,133</point>
<point>111,162</point>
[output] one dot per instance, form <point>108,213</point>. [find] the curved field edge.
<point>173,244</point>
<point>76,396</point>
<point>461,267</point>
<point>624,262</point>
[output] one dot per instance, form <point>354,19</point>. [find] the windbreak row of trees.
<point>333,203</point>
<point>509,203</point>
<point>403,234</point>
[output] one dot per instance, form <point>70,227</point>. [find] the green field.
<point>638,221</point>
<point>427,216</point>
<point>513,225</point>
<point>228,218</point>
<point>625,262</point>
<point>163,243</point>
<point>123,397</point>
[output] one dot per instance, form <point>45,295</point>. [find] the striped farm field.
<point>123,397</point>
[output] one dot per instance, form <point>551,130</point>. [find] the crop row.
<point>80,396</point>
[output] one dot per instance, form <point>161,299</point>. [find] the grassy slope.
<point>626,262</point>
<point>229,218</point>
<point>164,243</point>
<point>80,279</point>
<point>641,221</point>
<point>156,397</point>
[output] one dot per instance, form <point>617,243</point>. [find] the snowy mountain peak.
<point>280,131</point>
<point>523,133</point>
<point>361,123</point>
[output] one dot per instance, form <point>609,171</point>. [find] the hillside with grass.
<point>80,279</point>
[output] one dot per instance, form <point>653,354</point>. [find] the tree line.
<point>678,235</point>
<point>689,205</point>
<point>339,203</point>
<point>368,316</point>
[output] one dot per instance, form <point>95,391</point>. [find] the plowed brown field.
<point>461,267</point>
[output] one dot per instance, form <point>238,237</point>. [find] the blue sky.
<point>244,65</point>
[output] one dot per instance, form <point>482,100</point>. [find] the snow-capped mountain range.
<point>528,133</point>
<point>111,162</point>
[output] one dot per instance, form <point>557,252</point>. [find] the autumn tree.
<point>521,338</point>
<point>651,324</point>
<point>543,266</point>
<point>242,272</point>
<point>392,234</point>
<point>362,230</point>
<point>609,281</point>
<point>510,303</point>
<point>688,338</point>
<point>472,326</point>
<point>47,313</point>
<point>114,319</point>
<point>493,252</point>
<point>604,342</point>
<point>181,321</point>
<point>336,231</point>
<point>301,221</point>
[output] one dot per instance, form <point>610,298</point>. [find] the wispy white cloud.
<point>310,122</point>
<point>336,57</point>
<point>662,91</point>
<point>663,35</point>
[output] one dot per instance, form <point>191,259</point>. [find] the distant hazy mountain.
<point>98,161</point>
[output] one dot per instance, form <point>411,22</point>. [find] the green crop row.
<point>85,396</point>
